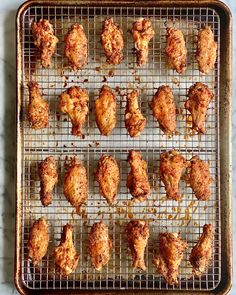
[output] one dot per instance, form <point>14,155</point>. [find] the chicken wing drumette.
<point>74,102</point>
<point>137,235</point>
<point>44,40</point>
<point>142,32</point>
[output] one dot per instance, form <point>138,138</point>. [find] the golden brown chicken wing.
<point>74,102</point>
<point>76,47</point>
<point>99,245</point>
<point>44,40</point>
<point>37,244</point>
<point>175,50</point>
<point>164,109</point>
<point>38,109</point>
<point>137,181</point>
<point>142,32</point>
<point>137,235</point>
<point>201,253</point>
<point>199,98</point>
<point>105,110</point>
<point>171,168</point>
<point>134,120</point>
<point>112,41</point>
<point>206,50</point>
<point>65,256</point>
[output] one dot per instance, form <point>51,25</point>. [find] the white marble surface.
<point>7,142</point>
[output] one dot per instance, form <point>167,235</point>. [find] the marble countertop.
<point>7,142</point>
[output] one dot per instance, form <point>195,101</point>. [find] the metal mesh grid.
<point>187,216</point>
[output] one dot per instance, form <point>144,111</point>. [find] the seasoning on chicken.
<point>37,244</point>
<point>38,110</point>
<point>76,47</point>
<point>135,122</point>
<point>65,256</point>
<point>175,50</point>
<point>164,109</point>
<point>202,252</point>
<point>99,245</point>
<point>206,50</point>
<point>44,40</point>
<point>112,41</point>
<point>199,98</point>
<point>142,32</point>
<point>108,177</point>
<point>137,235</point>
<point>137,181</point>
<point>74,102</point>
<point>170,254</point>
<point>105,110</point>
<point>171,168</point>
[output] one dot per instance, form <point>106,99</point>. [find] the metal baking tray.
<point>187,216</point>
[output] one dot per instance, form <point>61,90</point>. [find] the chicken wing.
<point>206,50</point>
<point>137,181</point>
<point>171,168</point>
<point>74,102</point>
<point>199,98</point>
<point>201,253</point>
<point>65,256</point>
<point>76,47</point>
<point>112,41</point>
<point>99,245</point>
<point>134,120</point>
<point>38,109</point>
<point>142,32</point>
<point>44,40</point>
<point>164,109</point>
<point>175,50</point>
<point>137,235</point>
<point>105,110</point>
<point>170,254</point>
<point>37,244</point>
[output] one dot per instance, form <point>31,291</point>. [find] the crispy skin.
<point>74,102</point>
<point>142,32</point>
<point>164,110</point>
<point>48,176</point>
<point>170,254</point>
<point>38,109</point>
<point>99,245</point>
<point>105,110</point>
<point>199,98</point>
<point>171,168</point>
<point>201,253</point>
<point>135,122</point>
<point>137,181</point>
<point>37,244</point>
<point>44,40</point>
<point>112,41</point>
<point>65,256</point>
<point>76,47</point>
<point>137,235</point>
<point>175,50</point>
<point>108,177</point>
<point>206,50</point>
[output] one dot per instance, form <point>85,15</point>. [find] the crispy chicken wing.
<point>44,40</point>
<point>112,41</point>
<point>137,235</point>
<point>74,102</point>
<point>199,98</point>
<point>142,32</point>
<point>175,50</point>
<point>105,110</point>
<point>37,244</point>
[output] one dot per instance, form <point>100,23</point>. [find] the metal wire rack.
<point>187,216</point>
